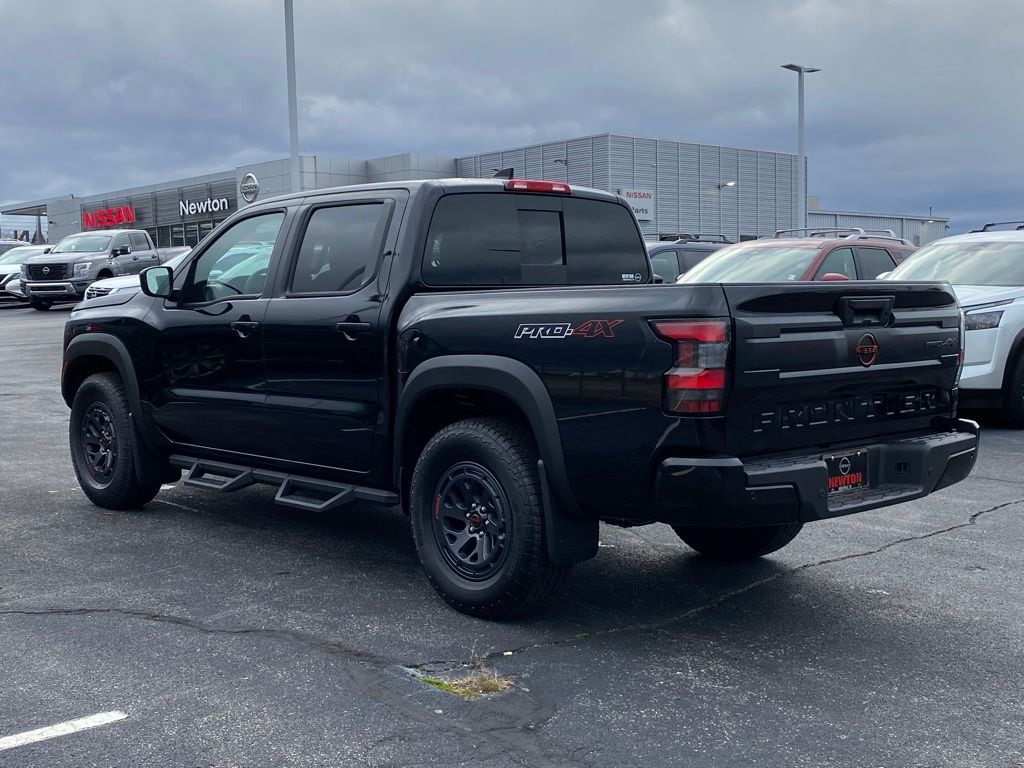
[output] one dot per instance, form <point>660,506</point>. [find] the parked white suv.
<point>986,269</point>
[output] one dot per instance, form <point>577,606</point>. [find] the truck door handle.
<point>244,326</point>
<point>351,330</point>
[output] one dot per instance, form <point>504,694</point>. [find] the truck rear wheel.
<point>478,519</point>
<point>737,544</point>
<point>103,445</point>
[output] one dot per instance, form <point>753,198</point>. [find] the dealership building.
<point>674,187</point>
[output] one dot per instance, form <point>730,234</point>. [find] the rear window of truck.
<point>522,239</point>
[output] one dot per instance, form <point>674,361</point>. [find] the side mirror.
<point>124,250</point>
<point>156,282</point>
<point>659,279</point>
<point>48,249</point>
<point>883,275</point>
<point>834,277</point>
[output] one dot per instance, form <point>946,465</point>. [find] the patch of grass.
<point>479,682</point>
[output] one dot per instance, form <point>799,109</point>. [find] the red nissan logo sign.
<point>867,350</point>
<point>108,217</point>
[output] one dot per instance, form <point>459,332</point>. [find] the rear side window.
<point>666,264</point>
<point>139,242</point>
<point>339,248</point>
<point>521,239</point>
<point>839,262</point>
<point>873,262</point>
<point>692,257</point>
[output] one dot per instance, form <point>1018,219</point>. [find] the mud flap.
<point>570,539</point>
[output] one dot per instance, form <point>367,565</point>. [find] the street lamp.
<point>565,163</point>
<point>800,174</point>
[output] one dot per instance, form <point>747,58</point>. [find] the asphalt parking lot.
<point>233,632</point>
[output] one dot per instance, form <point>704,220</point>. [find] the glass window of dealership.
<point>674,187</point>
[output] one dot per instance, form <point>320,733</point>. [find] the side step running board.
<point>306,493</point>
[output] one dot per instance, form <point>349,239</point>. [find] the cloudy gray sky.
<point>918,102</point>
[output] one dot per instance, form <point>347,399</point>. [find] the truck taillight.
<point>963,348</point>
<point>695,384</point>
<point>531,185</point>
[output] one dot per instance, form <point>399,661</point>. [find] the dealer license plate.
<point>846,470</point>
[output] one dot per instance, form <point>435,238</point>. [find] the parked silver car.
<point>129,283</point>
<point>10,272</point>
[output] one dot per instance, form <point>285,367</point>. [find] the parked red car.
<point>804,254</point>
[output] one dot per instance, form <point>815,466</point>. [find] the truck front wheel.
<point>478,519</point>
<point>737,544</point>
<point>103,445</point>
<point>41,304</point>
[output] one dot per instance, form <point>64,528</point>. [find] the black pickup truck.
<point>494,356</point>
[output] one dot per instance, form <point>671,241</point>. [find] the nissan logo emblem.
<point>46,270</point>
<point>867,350</point>
<point>845,465</point>
<point>249,187</point>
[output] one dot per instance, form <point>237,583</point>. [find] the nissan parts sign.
<point>641,201</point>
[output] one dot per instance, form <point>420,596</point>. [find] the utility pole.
<point>801,173</point>
<point>293,110</point>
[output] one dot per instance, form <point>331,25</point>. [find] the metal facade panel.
<point>579,153</point>
<point>667,193</point>
<point>729,196</point>
<point>689,188</point>
<point>685,177</point>
<point>534,162</point>
<point>489,164</point>
<point>516,160</point>
<point>710,197</point>
<point>748,192</point>
<point>465,167</point>
<point>620,170</point>
<point>600,152</point>
<point>767,192</point>
<point>554,150</point>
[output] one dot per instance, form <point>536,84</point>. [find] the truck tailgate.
<point>819,364</point>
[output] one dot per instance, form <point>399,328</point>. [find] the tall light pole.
<point>293,111</point>
<point>801,174</point>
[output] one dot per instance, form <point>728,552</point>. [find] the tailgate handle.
<point>866,310</point>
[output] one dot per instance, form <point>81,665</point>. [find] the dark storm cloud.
<point>917,104</point>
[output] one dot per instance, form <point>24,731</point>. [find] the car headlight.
<point>82,269</point>
<point>24,271</point>
<point>977,321</point>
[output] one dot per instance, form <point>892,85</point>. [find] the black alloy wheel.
<point>99,443</point>
<point>472,520</point>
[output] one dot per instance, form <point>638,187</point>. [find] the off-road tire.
<point>103,394</point>
<point>525,578</point>
<point>737,544</point>
<point>1013,395</point>
<point>41,304</point>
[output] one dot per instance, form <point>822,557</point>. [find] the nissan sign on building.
<point>641,201</point>
<point>250,187</point>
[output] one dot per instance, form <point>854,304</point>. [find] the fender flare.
<point>571,537</point>
<point>503,376</point>
<point>113,349</point>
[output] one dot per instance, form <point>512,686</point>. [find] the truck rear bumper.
<point>776,490</point>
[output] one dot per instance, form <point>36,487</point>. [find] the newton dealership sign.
<point>209,205</point>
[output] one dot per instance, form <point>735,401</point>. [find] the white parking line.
<point>60,729</point>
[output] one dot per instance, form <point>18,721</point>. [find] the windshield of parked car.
<point>18,255</point>
<point>749,263</point>
<point>966,263</point>
<point>82,244</point>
